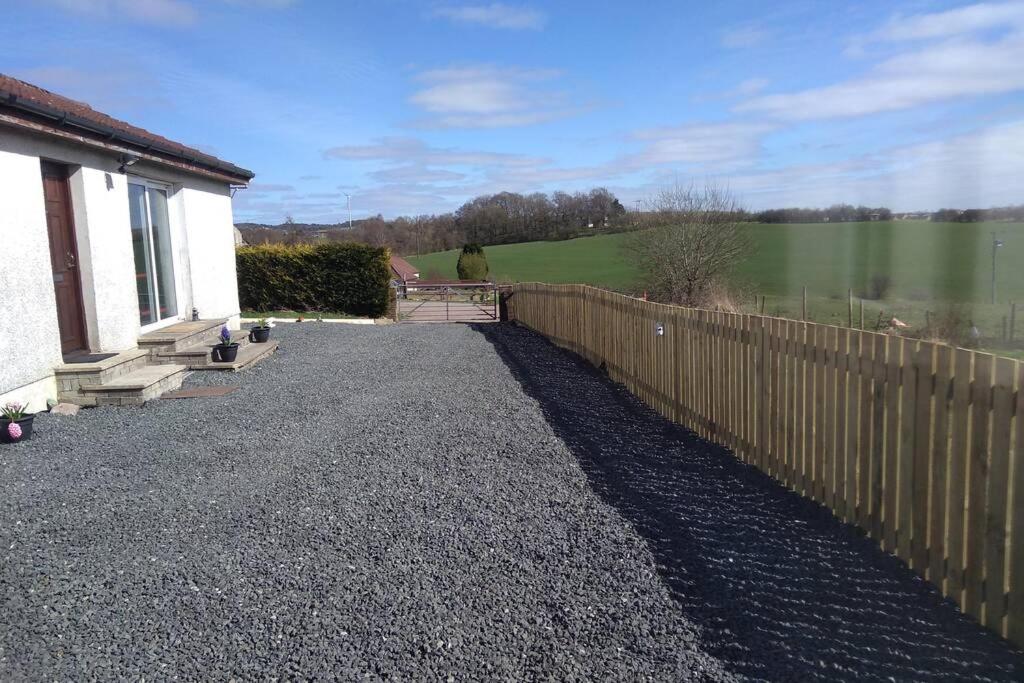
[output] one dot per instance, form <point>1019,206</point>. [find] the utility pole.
<point>995,245</point>
<point>348,200</point>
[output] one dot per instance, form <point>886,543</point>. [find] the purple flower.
<point>225,335</point>
<point>14,431</point>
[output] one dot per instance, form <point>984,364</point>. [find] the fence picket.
<point>939,485</point>
<point>865,368</point>
<point>977,484</point>
<point>820,394</point>
<point>879,391</point>
<point>1015,564</point>
<point>924,364</point>
<point>959,454</point>
<point>997,495</point>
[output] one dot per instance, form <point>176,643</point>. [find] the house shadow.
<point>779,587</point>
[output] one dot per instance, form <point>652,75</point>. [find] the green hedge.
<point>349,278</point>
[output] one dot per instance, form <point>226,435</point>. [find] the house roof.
<point>403,269</point>
<point>28,106</point>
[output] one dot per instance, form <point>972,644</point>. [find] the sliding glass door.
<point>151,239</point>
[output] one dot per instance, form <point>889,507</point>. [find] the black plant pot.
<point>259,335</point>
<point>26,429</point>
<point>225,354</point>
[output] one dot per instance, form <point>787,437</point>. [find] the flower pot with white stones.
<point>226,351</point>
<point>15,423</point>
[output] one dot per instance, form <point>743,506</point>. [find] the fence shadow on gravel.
<point>781,588</point>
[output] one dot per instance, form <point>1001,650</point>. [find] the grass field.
<point>928,266</point>
<point>923,260</point>
<point>599,261</point>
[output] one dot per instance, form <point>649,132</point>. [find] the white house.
<point>110,237</point>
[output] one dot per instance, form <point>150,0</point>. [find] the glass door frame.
<point>167,190</point>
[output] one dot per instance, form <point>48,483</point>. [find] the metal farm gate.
<point>446,302</point>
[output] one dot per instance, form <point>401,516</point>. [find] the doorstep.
<point>135,388</point>
<point>247,355</point>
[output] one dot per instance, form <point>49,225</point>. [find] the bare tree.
<point>692,238</point>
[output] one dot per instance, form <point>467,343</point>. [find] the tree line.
<point>999,213</point>
<point>837,213</point>
<point>508,217</point>
<point>847,213</point>
<point>501,218</point>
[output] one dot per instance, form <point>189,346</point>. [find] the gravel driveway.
<point>422,502</point>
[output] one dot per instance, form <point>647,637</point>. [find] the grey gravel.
<point>781,589</point>
<point>374,502</point>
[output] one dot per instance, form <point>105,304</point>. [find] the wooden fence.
<point>919,444</point>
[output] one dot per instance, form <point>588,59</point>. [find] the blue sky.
<point>414,107</point>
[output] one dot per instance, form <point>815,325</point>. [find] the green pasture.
<point>912,260</point>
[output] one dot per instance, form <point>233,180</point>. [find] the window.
<point>151,240</point>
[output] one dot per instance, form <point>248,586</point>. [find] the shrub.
<point>472,263</point>
<point>951,325</point>
<point>349,278</point>
<point>878,287</point>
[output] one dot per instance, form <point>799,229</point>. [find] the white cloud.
<point>952,69</point>
<point>173,13</point>
<point>533,178</point>
<point>495,15</point>
<point>970,19</point>
<point>415,173</point>
<point>751,86</point>
<point>413,150</point>
<point>745,88</point>
<point>271,187</point>
<point>489,97</point>
<point>160,12</point>
<point>270,4</point>
<point>714,144</point>
<point>115,88</point>
<point>744,37</point>
<point>976,169</point>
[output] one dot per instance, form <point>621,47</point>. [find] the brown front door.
<point>67,285</point>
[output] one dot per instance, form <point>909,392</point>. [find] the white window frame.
<point>167,189</point>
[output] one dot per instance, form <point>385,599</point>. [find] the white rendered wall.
<point>202,236</point>
<point>102,224</point>
<point>211,248</point>
<point>29,337</point>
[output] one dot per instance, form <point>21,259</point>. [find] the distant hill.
<point>300,227</point>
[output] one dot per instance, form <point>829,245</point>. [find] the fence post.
<point>862,314</point>
<point>803,307</point>
<point>1013,320</point>
<point>849,306</point>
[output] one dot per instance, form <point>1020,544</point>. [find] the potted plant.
<point>15,423</point>
<point>226,350</point>
<point>260,332</point>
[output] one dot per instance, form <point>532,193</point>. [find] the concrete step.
<point>96,369</point>
<point>181,335</point>
<point>247,355</point>
<point>198,356</point>
<point>134,388</point>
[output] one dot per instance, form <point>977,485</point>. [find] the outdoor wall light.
<point>659,329</point>
<point>126,160</point>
